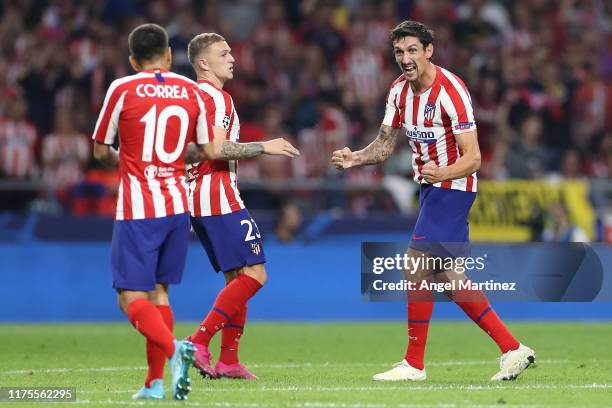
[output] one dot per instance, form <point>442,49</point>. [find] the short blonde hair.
<point>199,43</point>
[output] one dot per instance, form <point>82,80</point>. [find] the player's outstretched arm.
<point>376,152</point>
<point>222,149</point>
<point>105,154</point>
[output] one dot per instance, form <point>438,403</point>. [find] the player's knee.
<point>257,272</point>
<point>122,302</point>
<point>159,296</point>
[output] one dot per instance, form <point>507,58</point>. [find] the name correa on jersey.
<point>155,114</point>
<point>431,121</point>
<point>162,91</point>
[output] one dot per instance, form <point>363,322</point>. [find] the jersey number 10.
<point>155,133</point>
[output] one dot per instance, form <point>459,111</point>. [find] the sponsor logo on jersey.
<point>430,111</point>
<point>162,91</point>
<point>421,136</point>
<point>256,248</point>
<point>150,171</point>
<point>464,125</point>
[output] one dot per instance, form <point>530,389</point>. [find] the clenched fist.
<point>342,159</point>
<point>432,173</point>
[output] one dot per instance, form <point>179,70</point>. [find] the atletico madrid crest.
<point>256,248</point>
<point>430,111</point>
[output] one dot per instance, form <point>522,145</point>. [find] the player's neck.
<point>425,81</point>
<point>212,79</point>
<point>158,64</point>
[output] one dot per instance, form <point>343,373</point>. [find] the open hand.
<point>280,147</point>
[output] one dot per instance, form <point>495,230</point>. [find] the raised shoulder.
<point>125,81</point>
<point>220,98</point>
<point>399,80</point>
<point>450,79</point>
<point>180,77</point>
<point>213,91</point>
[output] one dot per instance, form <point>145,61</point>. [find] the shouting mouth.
<point>410,69</point>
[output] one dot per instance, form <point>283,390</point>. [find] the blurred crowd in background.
<point>317,73</point>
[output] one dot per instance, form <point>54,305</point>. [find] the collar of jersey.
<point>206,81</point>
<point>154,70</point>
<point>436,80</point>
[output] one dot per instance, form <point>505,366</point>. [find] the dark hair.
<point>413,29</point>
<point>148,41</point>
<point>199,43</point>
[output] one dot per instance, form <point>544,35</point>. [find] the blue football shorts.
<point>442,227</point>
<point>230,240</point>
<point>149,251</point>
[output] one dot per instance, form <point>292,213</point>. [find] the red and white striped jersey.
<point>213,189</point>
<point>156,114</point>
<point>431,121</point>
<point>64,157</point>
<point>17,144</point>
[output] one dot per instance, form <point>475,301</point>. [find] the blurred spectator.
<point>559,228</point>
<point>65,154</point>
<point>17,142</point>
<point>570,165</point>
<point>601,164</point>
<point>527,158</point>
<point>539,73</point>
<point>360,66</point>
<point>275,168</point>
<point>288,223</point>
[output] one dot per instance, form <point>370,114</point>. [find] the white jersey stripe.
<point>177,197</point>
<point>136,198</point>
<point>421,122</point>
<point>205,195</point>
<point>113,124</point>
<point>201,125</point>
<point>392,103</point>
<point>159,201</point>
<point>191,190</point>
<point>217,98</point>
<point>225,205</point>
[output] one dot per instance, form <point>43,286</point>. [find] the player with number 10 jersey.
<point>155,114</point>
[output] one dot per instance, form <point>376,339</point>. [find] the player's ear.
<point>202,63</point>
<point>135,65</point>
<point>169,57</point>
<point>429,51</point>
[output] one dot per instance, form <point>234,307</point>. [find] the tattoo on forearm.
<point>381,148</point>
<point>237,151</point>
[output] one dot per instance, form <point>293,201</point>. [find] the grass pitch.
<point>321,366</point>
